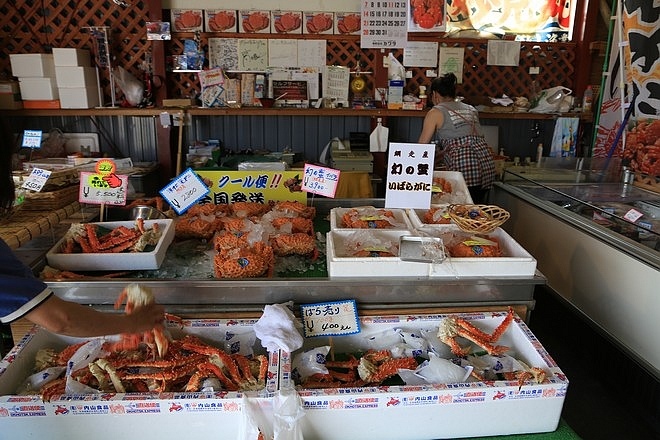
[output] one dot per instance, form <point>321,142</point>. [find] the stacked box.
<point>77,81</point>
<point>10,95</point>
<point>220,20</point>
<point>36,77</point>
<point>286,22</point>
<point>187,20</point>
<point>318,22</point>
<point>254,21</point>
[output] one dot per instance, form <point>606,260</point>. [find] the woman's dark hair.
<point>6,179</point>
<point>445,85</point>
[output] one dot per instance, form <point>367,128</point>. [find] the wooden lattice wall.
<point>37,27</point>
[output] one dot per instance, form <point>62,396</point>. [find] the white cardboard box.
<point>286,22</point>
<point>254,21</point>
<point>38,89</point>
<point>112,416</point>
<point>32,65</point>
<point>220,20</point>
<point>433,411</point>
<point>71,57</point>
<point>341,264</point>
<point>400,220</point>
<point>347,23</point>
<point>115,261</point>
<point>79,97</point>
<point>318,22</point>
<point>75,76</point>
<point>187,20</point>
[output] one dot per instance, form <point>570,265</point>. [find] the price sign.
<point>184,191</point>
<point>32,138</point>
<point>320,180</point>
<point>336,318</point>
<point>99,189</point>
<point>633,215</point>
<point>36,180</point>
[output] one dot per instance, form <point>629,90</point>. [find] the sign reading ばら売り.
<point>336,318</point>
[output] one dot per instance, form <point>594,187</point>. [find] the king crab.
<point>452,327</point>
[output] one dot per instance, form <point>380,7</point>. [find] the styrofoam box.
<point>400,221</point>
<point>187,20</point>
<point>38,89</point>
<point>459,193</point>
<point>116,261</point>
<point>71,57</point>
<point>32,65</point>
<point>340,264</point>
<point>112,416</point>
<point>79,97</point>
<point>416,217</point>
<point>75,76</point>
<point>434,411</point>
<point>516,261</point>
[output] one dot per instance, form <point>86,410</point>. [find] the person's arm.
<point>71,319</point>
<point>432,120</point>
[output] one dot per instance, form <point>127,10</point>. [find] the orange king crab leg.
<point>137,296</point>
<point>452,327</point>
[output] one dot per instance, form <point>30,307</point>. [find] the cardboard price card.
<point>32,139</point>
<point>409,175</point>
<point>184,191</point>
<point>36,180</point>
<point>336,318</point>
<point>320,180</point>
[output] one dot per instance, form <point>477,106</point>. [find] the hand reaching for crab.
<point>145,318</point>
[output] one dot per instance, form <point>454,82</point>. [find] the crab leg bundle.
<point>452,327</point>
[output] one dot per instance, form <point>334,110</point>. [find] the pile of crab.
<point>248,236</point>
<point>87,238</point>
<point>415,356</point>
<point>150,362</point>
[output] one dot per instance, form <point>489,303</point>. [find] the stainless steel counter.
<point>204,295</point>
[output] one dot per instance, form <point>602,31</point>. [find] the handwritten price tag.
<point>99,189</point>
<point>32,138</point>
<point>335,318</point>
<point>36,180</point>
<point>184,191</point>
<point>320,180</point>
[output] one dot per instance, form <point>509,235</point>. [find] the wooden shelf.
<point>280,111</point>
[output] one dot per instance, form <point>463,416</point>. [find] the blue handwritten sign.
<point>184,190</point>
<point>336,318</point>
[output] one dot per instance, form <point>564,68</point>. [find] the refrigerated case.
<point>597,241</point>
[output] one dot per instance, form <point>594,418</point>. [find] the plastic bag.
<point>549,100</point>
<point>132,87</point>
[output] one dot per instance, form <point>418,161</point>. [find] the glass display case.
<point>597,240</point>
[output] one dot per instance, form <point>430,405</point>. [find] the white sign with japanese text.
<point>32,139</point>
<point>320,180</point>
<point>336,318</point>
<point>409,175</point>
<point>103,189</point>
<point>184,190</point>
<point>36,180</point>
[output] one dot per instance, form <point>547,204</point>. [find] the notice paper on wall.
<point>503,53</point>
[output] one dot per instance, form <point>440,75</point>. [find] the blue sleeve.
<point>20,290</point>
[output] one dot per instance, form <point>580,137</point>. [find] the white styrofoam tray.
<point>515,260</point>
<point>341,264</point>
<point>112,416</point>
<point>435,411</point>
<point>416,217</point>
<point>399,222</point>
<point>115,261</point>
<point>459,193</point>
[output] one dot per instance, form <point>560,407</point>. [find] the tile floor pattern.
<point>595,408</point>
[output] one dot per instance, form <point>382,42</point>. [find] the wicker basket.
<point>49,200</point>
<point>478,219</point>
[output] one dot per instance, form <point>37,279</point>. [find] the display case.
<point>597,240</point>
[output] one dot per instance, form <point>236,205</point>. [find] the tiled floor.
<point>596,407</point>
